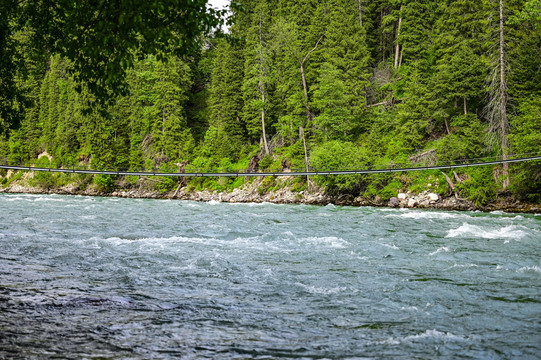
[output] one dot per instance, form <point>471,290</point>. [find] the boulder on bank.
<point>394,202</point>
<point>402,196</point>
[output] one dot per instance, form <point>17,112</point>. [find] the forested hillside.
<point>305,84</point>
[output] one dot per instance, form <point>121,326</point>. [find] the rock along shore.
<point>250,194</point>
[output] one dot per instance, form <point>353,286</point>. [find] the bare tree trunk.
<point>465,107</point>
<point>397,47</point>
<point>305,89</point>
<point>261,84</point>
<point>451,185</point>
<point>301,135</point>
<point>263,121</point>
<point>447,127</point>
<point>301,130</point>
<point>503,103</point>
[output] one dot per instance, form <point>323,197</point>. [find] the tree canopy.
<point>101,39</point>
<point>295,84</point>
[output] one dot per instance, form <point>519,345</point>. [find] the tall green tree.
<point>100,39</point>
<point>225,101</point>
<point>257,75</point>
<point>347,51</point>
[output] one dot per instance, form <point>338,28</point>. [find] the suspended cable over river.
<point>247,173</point>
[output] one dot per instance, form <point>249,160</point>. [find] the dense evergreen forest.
<point>306,84</point>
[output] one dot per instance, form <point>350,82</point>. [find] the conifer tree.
<point>172,82</point>
<point>497,106</point>
<point>54,107</point>
<point>225,100</point>
<point>347,51</point>
<point>257,75</point>
<point>334,120</point>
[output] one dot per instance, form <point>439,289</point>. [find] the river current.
<point>110,278</point>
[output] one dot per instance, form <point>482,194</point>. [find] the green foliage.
<point>102,50</point>
<point>337,155</point>
<point>7,181</point>
<point>420,181</point>
<point>391,189</point>
<point>166,184</point>
<point>480,186</point>
<point>266,162</point>
<point>81,181</point>
<point>526,139</point>
<point>368,83</point>
<point>465,141</point>
<point>105,182</point>
<point>334,120</point>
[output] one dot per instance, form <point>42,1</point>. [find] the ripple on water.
<point>325,241</point>
<point>534,268</point>
<point>431,335</point>
<point>420,214</point>
<point>197,280</point>
<point>443,249</point>
<point>467,230</point>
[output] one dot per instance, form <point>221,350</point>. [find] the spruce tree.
<point>257,75</point>
<point>225,100</point>
<point>346,50</point>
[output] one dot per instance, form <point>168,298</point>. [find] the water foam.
<point>426,215</point>
<point>331,241</point>
<point>534,268</point>
<point>48,198</point>
<point>440,250</point>
<point>462,266</point>
<point>120,241</point>
<point>428,334</point>
<point>14,198</point>
<point>435,334</point>
<point>322,290</point>
<point>468,230</point>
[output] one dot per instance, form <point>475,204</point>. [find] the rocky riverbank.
<point>250,193</point>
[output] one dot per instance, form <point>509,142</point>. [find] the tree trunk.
<point>261,84</point>
<point>301,135</point>
<point>465,107</point>
<point>397,47</point>
<point>301,130</point>
<point>447,127</point>
<point>360,12</point>
<point>305,89</point>
<point>503,103</point>
<point>263,121</point>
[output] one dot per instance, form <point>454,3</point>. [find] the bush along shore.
<point>406,192</point>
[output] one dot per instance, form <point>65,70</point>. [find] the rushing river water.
<point>84,277</point>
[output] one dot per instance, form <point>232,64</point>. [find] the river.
<point>110,278</point>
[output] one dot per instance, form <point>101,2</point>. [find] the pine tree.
<point>226,98</point>
<point>346,50</point>
<point>257,75</point>
<point>334,120</point>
